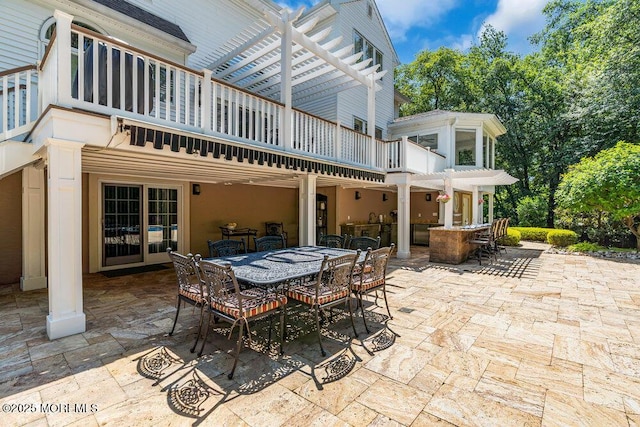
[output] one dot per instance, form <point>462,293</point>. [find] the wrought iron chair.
<point>228,302</point>
<point>226,247</point>
<point>332,240</point>
<point>269,243</point>
<point>190,289</point>
<point>363,243</point>
<point>371,276</point>
<point>331,287</point>
<point>482,244</point>
<point>276,229</point>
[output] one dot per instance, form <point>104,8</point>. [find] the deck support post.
<point>307,210</point>
<point>64,189</point>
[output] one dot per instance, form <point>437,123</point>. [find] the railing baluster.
<point>81,66</point>
<point>5,104</point>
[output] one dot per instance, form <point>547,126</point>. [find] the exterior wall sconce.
<point>358,196</point>
<point>195,189</point>
<point>427,197</point>
<point>384,197</point>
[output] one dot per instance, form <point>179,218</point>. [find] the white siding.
<point>353,16</point>
<point>20,22</point>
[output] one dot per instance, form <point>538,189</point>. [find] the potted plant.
<point>443,198</point>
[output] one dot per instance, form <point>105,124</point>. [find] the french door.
<point>139,223</point>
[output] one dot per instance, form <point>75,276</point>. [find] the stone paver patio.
<point>534,339</point>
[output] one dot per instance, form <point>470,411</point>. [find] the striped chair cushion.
<point>307,294</point>
<point>191,292</point>
<point>365,286</point>
<point>255,302</point>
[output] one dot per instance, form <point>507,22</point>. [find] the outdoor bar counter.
<point>451,245</point>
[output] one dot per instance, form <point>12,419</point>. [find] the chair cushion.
<point>307,294</point>
<point>366,285</point>
<point>191,292</point>
<point>256,302</point>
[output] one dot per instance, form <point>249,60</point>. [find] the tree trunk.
<point>628,221</point>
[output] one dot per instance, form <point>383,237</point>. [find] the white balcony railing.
<point>18,101</point>
<point>86,70</point>
<point>407,156</point>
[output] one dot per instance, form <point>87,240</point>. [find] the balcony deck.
<point>118,80</point>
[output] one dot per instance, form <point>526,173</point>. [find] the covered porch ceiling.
<point>274,48</point>
<point>147,162</point>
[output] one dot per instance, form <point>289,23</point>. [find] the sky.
<point>415,25</point>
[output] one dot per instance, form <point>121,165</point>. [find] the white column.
<point>64,191</point>
<point>404,227</point>
<point>371,117</point>
<point>286,55</point>
<point>62,95</point>
<point>475,196</point>
<point>307,210</point>
<point>479,147</point>
<point>448,207</point>
<point>33,239</point>
<point>490,210</point>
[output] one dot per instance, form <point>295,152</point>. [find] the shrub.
<point>535,234</point>
<point>511,239</point>
<point>562,237</point>
<point>585,247</point>
<point>532,211</point>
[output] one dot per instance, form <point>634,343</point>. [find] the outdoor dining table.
<point>269,269</point>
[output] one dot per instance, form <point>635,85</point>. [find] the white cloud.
<point>519,20</point>
<point>399,18</point>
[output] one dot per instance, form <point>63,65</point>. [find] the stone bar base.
<point>450,245</point>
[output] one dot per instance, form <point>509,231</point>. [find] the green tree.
<point>606,183</point>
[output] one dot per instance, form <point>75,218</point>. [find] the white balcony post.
<point>371,117</point>
<point>286,49</point>
<point>33,239</point>
<point>307,210</point>
<point>64,238</point>
<point>338,154</point>
<point>490,209</point>
<point>62,95</point>
<point>448,207</point>
<point>404,227</point>
<point>404,149</point>
<point>205,99</point>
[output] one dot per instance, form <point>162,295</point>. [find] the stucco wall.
<point>247,206</point>
<point>11,226</point>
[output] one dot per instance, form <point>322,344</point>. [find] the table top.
<point>236,230</point>
<point>272,267</point>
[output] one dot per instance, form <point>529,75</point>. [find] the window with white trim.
<point>369,51</point>
<point>360,125</point>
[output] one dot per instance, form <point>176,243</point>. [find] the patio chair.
<point>500,233</point>
<point>226,247</point>
<point>331,287</point>
<point>269,243</point>
<point>371,276</point>
<point>332,240</point>
<point>276,229</point>
<point>482,245</point>
<point>363,243</point>
<point>226,301</point>
<point>190,289</point>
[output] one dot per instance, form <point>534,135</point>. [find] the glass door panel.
<point>122,218</point>
<point>162,216</point>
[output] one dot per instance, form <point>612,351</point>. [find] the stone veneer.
<point>450,245</point>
